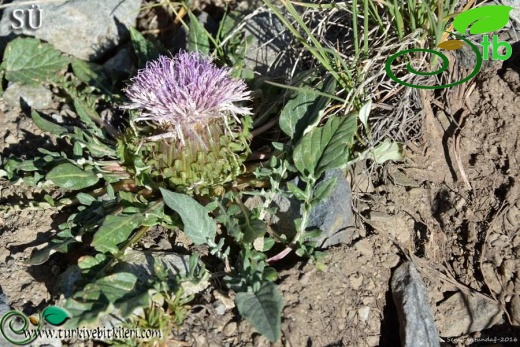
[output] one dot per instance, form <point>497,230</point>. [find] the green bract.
<point>192,168</point>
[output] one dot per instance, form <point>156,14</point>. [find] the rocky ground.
<point>452,208</point>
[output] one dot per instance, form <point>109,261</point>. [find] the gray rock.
<point>417,328</point>
<point>269,40</point>
<point>515,310</point>
<point>4,304</point>
<point>463,314</point>
<point>120,64</point>
<point>66,283</point>
<point>333,215</point>
<point>37,97</point>
<point>4,308</point>
<point>84,29</point>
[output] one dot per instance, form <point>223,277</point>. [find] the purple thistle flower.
<point>185,94</point>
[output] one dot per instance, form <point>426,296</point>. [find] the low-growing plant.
<point>178,160</point>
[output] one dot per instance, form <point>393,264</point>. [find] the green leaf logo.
<point>484,19</point>
<point>55,315</point>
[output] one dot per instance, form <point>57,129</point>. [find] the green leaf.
<point>304,109</point>
<point>77,150</point>
<point>268,244</point>
<point>45,125</point>
<point>115,230</point>
<point>56,245</point>
<point>262,309</point>
<point>323,189</point>
<point>55,315</point>
<point>326,148</point>
<point>229,23</point>
<point>85,199</point>
<point>144,49</point>
<point>484,19</point>
<point>27,166</point>
<point>387,150</point>
<point>90,73</point>
<point>252,229</point>
<point>298,193</point>
<point>198,226</point>
<point>88,115</point>
<point>69,176</point>
<point>364,112</point>
<point>87,261</point>
<point>198,37</point>
<point>113,295</point>
<point>97,148</point>
<point>270,274</point>
<point>295,110</point>
<point>30,61</point>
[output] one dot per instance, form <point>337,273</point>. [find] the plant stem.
<point>303,224</point>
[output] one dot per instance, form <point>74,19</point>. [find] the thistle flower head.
<point>184,95</point>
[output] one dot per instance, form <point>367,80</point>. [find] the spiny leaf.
<point>69,176</point>
<point>262,309</point>
<point>198,37</point>
<point>144,49</point>
<point>88,115</point>
<point>90,73</point>
<point>47,126</point>
<point>326,148</point>
<point>451,45</point>
<point>198,226</point>
<point>30,61</point>
<point>115,230</point>
<point>55,315</point>
<point>485,19</point>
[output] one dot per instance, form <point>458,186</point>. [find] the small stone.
<point>370,285</point>
<point>229,329</point>
<point>58,118</point>
<point>164,244</point>
<point>464,314</point>
<point>363,313</point>
<point>10,139</point>
<point>356,280</point>
<point>488,271</point>
<point>364,247</point>
<point>220,308</point>
<point>37,97</point>
<point>391,261</point>
<point>515,310</point>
